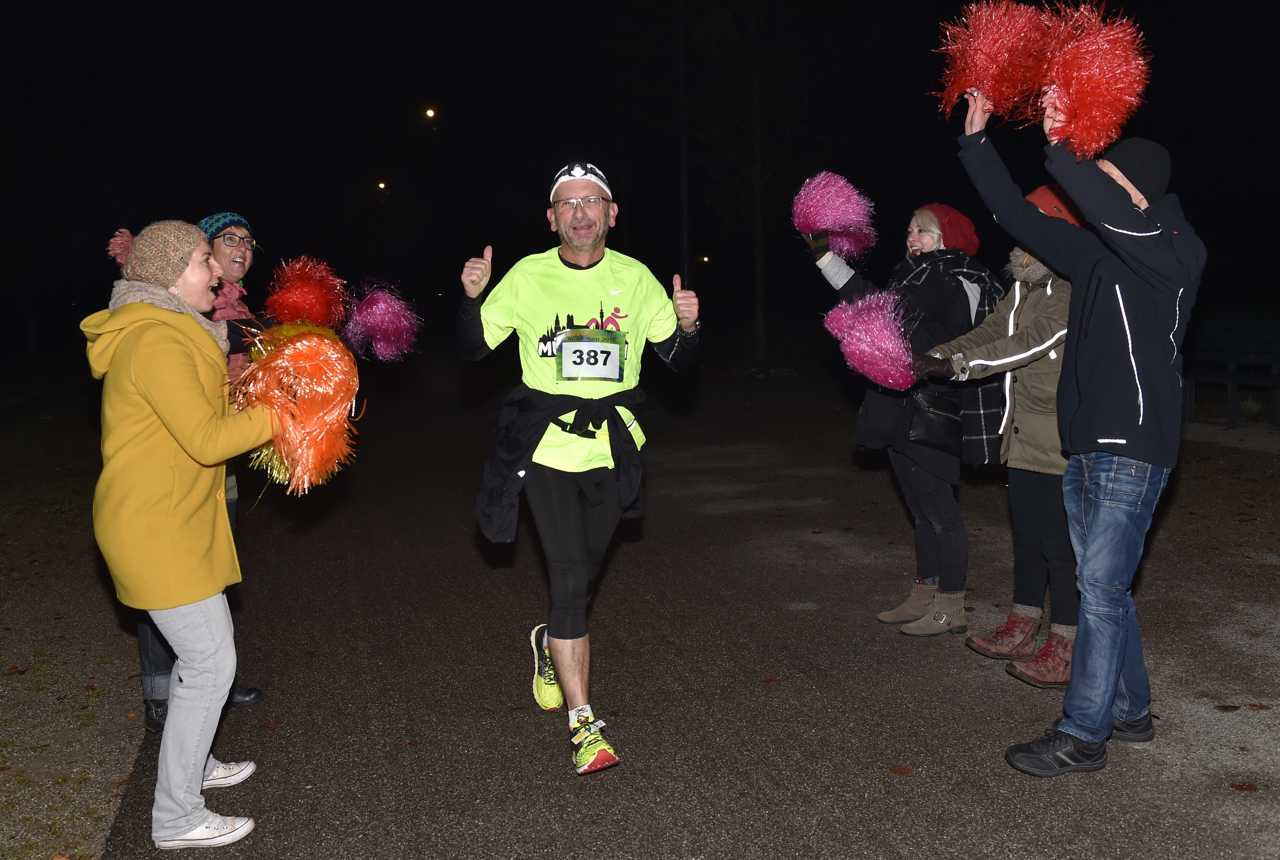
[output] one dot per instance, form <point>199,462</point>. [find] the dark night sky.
<point>127,114</point>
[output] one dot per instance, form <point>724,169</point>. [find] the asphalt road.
<point>757,706</point>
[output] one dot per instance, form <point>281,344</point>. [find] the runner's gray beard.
<point>566,237</point>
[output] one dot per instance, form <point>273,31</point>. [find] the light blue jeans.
<point>1109,500</point>
<point>202,636</point>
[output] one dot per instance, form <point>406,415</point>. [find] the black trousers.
<point>942,544</point>
<point>576,514</point>
<point>1042,552</point>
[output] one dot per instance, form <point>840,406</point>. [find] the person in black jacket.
<point>1135,277</point>
<point>946,294</point>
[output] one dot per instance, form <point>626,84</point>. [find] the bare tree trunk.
<point>757,182</point>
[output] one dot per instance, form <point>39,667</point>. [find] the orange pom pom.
<point>1097,71</point>
<point>307,289</point>
<point>309,382</point>
<point>999,48</point>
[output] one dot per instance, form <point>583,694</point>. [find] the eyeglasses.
<point>231,240</point>
<point>590,205</point>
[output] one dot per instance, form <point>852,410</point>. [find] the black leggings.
<point>1042,550</point>
<point>575,534</point>
<point>942,544</point>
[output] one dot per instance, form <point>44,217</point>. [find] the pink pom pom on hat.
<point>120,246</point>
<point>957,230</point>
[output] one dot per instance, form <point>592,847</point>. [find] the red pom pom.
<point>1097,71</point>
<point>999,48</point>
<point>307,289</point>
<point>120,246</point>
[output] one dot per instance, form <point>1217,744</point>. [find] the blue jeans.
<point>1109,500</point>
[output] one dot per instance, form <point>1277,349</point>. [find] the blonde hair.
<point>928,222</point>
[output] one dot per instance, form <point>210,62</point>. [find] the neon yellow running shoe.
<point>591,752</point>
<point>546,689</point>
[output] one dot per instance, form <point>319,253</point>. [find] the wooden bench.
<point>1234,353</point>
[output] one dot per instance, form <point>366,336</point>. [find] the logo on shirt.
<point>548,343</point>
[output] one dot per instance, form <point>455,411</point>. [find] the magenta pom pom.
<point>120,246</point>
<point>827,203</point>
<point>851,244</point>
<point>873,338</point>
<point>382,321</point>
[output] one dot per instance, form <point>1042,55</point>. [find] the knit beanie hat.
<point>1053,201</point>
<point>1144,163</point>
<point>215,224</point>
<point>957,230</point>
<point>159,254</point>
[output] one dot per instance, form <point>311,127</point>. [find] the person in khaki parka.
<point>1024,338</point>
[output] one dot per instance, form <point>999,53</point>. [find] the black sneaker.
<point>154,715</point>
<point>1139,731</point>
<point>1057,753</point>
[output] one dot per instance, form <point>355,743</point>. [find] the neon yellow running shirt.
<point>582,332</point>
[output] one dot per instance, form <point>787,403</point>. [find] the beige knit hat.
<point>159,254</point>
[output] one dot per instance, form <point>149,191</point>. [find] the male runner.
<point>568,435</point>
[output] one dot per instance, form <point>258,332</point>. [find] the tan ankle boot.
<point>1051,669</point>
<point>914,607</point>
<point>944,615</point>
<point>1015,639</point>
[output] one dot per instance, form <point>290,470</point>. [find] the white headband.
<point>580,170</point>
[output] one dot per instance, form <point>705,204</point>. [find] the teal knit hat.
<point>215,224</point>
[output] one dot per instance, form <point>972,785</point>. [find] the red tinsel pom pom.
<point>307,289</point>
<point>999,47</point>
<point>1097,71</point>
<point>120,246</point>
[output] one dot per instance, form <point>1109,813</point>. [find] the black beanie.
<point>1144,163</point>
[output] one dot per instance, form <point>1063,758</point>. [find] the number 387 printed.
<point>591,354</point>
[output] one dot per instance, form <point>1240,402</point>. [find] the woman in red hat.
<point>946,294</point>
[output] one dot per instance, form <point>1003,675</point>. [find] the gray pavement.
<point>758,708</point>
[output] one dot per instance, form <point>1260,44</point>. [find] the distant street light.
<point>706,259</point>
<point>382,185</point>
<point>430,112</point>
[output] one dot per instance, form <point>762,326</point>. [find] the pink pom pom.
<point>851,244</point>
<point>1097,71</point>
<point>827,203</point>
<point>873,338</point>
<point>381,319</point>
<point>998,47</point>
<point>120,246</point>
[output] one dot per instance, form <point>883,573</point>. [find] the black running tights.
<point>576,514</point>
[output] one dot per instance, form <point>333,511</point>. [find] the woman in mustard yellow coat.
<point>158,511</point>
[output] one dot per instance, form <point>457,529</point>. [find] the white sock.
<point>1029,611</point>
<point>576,714</point>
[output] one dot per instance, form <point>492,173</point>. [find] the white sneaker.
<point>220,830</point>
<point>229,773</point>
